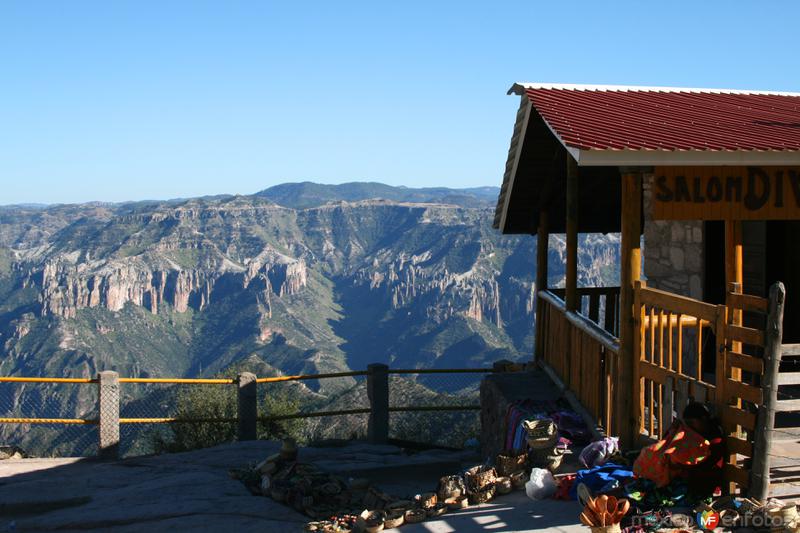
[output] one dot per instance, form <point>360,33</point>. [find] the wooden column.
<point>734,277</point>
<point>571,297</point>
<point>628,407</point>
<point>765,420</point>
<point>542,249</point>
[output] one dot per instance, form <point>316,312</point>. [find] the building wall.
<point>673,251</point>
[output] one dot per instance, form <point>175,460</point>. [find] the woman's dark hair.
<point>696,411</point>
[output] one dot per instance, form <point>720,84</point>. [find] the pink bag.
<point>599,452</point>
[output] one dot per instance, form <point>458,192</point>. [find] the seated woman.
<point>705,476</point>
<point>692,450</point>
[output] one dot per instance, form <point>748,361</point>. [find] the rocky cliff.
<point>190,287</point>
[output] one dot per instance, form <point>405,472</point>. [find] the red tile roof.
<point>665,119</point>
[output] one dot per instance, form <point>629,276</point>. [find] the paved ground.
<point>193,491</point>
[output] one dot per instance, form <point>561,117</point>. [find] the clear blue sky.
<point>122,100</point>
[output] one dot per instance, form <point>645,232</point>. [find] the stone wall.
<point>673,251</point>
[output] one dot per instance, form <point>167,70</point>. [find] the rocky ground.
<point>194,491</point>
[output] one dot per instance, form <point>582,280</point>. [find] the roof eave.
<point>602,158</point>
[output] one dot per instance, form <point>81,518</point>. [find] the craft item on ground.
<point>482,496</point>
<point>426,500</point>
<point>552,462</point>
<point>503,485</point>
<point>542,440</point>
<point>450,487</point>
<point>599,476</point>
<point>681,521</point>
<point>541,484</point>
<point>650,496</point>
<point>479,477</point>
<point>394,519</point>
<point>604,513</point>
<point>518,480</point>
<point>459,502</point>
<point>400,505</point>
<point>511,462</point>
<point>541,433</point>
<point>414,516</point>
<point>599,452</point>
<point>437,510</point>
<point>515,414</point>
<point>563,444</point>
<point>372,521</point>
<point>565,483</point>
<point>288,450</point>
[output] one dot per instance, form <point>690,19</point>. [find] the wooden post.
<point>631,258</point>
<point>542,249</point>
<point>734,278</point>
<point>378,394</point>
<point>571,297</point>
<point>765,420</point>
<point>247,406</point>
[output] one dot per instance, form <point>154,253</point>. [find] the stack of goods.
<point>542,440</point>
<point>604,513</point>
<point>480,483</point>
<point>511,462</point>
<point>337,505</point>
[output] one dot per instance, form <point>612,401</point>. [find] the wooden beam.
<point>571,299</point>
<point>629,409</point>
<point>542,249</point>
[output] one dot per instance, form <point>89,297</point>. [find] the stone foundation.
<point>498,391</point>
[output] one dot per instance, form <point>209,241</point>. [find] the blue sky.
<point>132,100</point>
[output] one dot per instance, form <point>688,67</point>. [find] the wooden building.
<point>704,187</point>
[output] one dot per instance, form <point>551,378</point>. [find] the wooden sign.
<point>726,193</point>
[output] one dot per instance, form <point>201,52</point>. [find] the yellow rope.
<point>46,380</point>
<point>168,420</point>
<point>312,376</point>
<point>187,381</point>
<point>46,421</point>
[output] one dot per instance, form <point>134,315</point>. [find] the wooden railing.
<point>598,304</point>
<point>672,335</point>
<point>668,345</point>
<point>584,356</point>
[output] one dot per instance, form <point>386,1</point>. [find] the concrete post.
<point>248,406</point>
<point>378,393</point>
<point>108,409</point>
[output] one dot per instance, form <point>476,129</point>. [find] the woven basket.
<point>511,463</point>
<point>438,510</point>
<point>394,519</point>
<point>479,477</point>
<point>483,496</point>
<point>451,487</point>
<point>542,433</point>
<point>518,480</point>
<point>503,485</point>
<point>414,516</point>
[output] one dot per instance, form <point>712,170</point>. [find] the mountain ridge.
<point>190,288</point>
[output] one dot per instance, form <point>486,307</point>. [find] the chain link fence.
<point>425,407</point>
<point>204,412</point>
<point>453,400</point>
<point>58,401</point>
